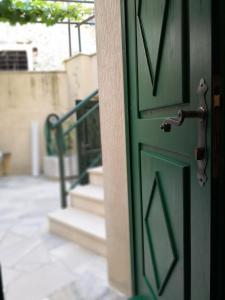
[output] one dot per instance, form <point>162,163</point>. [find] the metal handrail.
<point>57,126</point>
<point>75,109</point>
<point>83,174</point>
<point>82,119</point>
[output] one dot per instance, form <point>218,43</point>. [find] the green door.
<point>168,58</point>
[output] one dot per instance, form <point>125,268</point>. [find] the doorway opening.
<point>37,264</point>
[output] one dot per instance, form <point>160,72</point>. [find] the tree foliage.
<point>33,11</point>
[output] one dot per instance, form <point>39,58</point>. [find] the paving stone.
<point>10,275</point>
<point>37,265</point>
<point>73,256</point>
<point>38,284</point>
<point>10,239</point>
<point>77,290</point>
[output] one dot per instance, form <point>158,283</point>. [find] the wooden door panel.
<point>148,133</point>
<point>166,225</point>
<point>161,50</point>
<point>168,52</point>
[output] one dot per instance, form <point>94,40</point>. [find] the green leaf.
<point>32,11</point>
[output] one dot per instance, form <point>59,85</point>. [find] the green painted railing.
<point>56,133</point>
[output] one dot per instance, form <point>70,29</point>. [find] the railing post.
<point>79,38</point>
<point>69,38</point>
<point>59,141</point>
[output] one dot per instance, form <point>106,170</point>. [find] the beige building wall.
<point>31,96</point>
<point>27,97</point>
<point>112,113</point>
<point>82,75</point>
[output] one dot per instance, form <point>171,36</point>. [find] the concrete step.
<point>89,198</point>
<point>81,227</point>
<point>96,176</point>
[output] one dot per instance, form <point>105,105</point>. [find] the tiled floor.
<point>37,265</point>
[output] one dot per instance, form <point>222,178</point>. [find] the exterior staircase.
<point>83,222</point>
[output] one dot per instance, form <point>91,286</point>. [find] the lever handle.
<point>201,114</point>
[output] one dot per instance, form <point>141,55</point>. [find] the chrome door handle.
<point>201,114</point>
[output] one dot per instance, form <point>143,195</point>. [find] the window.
<point>13,60</point>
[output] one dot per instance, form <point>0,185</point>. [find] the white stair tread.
<point>96,170</point>
<point>81,220</point>
<point>89,191</point>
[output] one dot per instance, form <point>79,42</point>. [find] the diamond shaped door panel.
<point>161,51</point>
<point>168,51</point>
<point>165,211</point>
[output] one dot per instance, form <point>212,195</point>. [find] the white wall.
<point>52,42</point>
